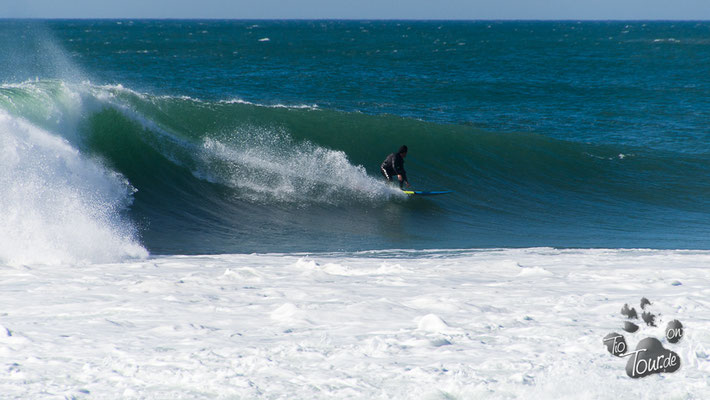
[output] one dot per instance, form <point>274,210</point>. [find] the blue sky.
<point>359,9</point>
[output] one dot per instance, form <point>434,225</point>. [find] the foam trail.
<point>57,206</point>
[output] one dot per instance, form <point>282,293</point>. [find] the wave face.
<point>174,174</point>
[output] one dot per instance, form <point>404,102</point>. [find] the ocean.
<point>194,208</point>
<point>267,136</point>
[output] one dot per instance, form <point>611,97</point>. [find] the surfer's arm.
<point>403,178</point>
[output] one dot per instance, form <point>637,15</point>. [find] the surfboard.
<point>426,193</point>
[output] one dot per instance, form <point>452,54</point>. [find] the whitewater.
<point>444,324</point>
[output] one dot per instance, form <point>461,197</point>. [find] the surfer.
<point>394,165</point>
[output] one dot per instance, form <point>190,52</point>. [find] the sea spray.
<point>58,206</point>
<point>269,164</point>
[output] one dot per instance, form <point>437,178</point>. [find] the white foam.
<point>58,206</point>
<point>245,274</point>
<point>277,105</point>
<point>534,272</point>
<point>434,324</point>
<point>463,326</point>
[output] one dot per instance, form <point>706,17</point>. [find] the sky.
<point>360,9</point>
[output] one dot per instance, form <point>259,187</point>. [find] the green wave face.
<point>230,176</point>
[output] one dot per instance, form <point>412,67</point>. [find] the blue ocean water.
<point>266,136</point>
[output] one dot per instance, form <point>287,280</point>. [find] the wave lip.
<point>58,206</point>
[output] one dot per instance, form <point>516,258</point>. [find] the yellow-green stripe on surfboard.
<point>426,193</point>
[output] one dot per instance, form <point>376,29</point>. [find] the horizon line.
<point>353,19</point>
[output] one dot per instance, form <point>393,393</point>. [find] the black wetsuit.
<point>393,166</point>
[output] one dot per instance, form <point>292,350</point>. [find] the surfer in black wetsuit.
<point>394,165</point>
